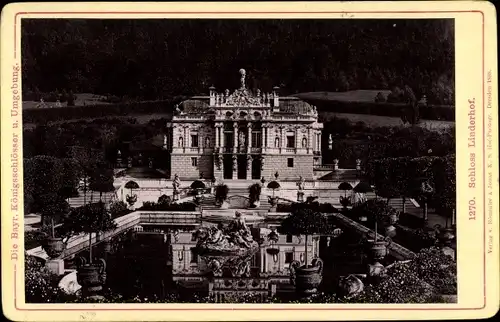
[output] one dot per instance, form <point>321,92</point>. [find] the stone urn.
<point>273,201</point>
<point>390,231</point>
<point>306,279</point>
<point>378,250</point>
<point>91,277</point>
<point>350,286</point>
<point>393,219</point>
<point>446,236</point>
<point>53,246</point>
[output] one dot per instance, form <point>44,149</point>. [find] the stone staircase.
<point>107,197</point>
<point>397,203</point>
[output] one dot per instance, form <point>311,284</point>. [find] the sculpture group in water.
<point>236,238</point>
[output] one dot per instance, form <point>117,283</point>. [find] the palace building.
<point>244,135</point>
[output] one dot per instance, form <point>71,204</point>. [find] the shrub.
<point>400,285</point>
<point>437,269</point>
<point>40,284</point>
<point>118,209</point>
<point>380,98</point>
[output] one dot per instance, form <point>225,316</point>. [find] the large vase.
<point>378,250</point>
<point>54,247</point>
<point>306,279</point>
<point>92,277</point>
<point>273,201</point>
<point>390,231</point>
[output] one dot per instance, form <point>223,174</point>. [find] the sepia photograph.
<point>239,160</point>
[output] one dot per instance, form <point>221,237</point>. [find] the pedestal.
<point>55,266</point>
<point>273,290</point>
<point>300,196</point>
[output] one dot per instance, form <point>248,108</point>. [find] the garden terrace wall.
<point>80,242</point>
<point>397,251</point>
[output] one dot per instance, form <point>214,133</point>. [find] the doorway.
<point>228,166</point>
<point>242,166</point>
<point>256,168</point>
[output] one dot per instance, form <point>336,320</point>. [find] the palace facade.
<point>244,135</point>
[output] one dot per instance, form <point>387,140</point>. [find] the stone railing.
<point>399,252</point>
<point>80,242</point>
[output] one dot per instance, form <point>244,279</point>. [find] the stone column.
<point>319,141</point>
<point>309,143</point>
<point>249,167</point>
<point>235,138</point>
<point>222,136</point>
<point>249,137</point>
<point>297,139</point>
<point>282,138</point>
<point>264,136</point>
<point>184,140</point>
<point>216,136</point>
<point>235,166</point>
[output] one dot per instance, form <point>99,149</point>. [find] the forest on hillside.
<point>160,59</point>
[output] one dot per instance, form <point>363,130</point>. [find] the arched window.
<point>304,142</point>
<point>277,142</point>
<point>181,142</point>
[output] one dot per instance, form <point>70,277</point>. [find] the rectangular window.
<point>194,162</point>
<point>290,141</point>
<point>256,140</point>
<point>290,162</point>
<point>228,140</point>
<point>288,257</point>
<point>194,140</point>
<point>289,238</point>
<point>194,257</point>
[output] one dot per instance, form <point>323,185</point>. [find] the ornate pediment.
<point>242,97</point>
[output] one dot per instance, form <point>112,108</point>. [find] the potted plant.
<point>273,185</point>
<point>304,221</point>
<point>197,188</point>
<point>53,205</point>
<point>254,192</point>
<point>345,201</point>
<point>221,192</point>
<point>273,238</point>
<point>132,198</point>
<point>361,189</point>
<point>89,219</point>
<point>376,212</point>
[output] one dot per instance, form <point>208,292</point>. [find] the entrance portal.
<point>242,166</point>
<point>228,166</point>
<point>256,164</point>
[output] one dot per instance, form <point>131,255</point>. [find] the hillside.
<point>157,59</point>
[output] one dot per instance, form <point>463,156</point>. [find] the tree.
<point>90,218</point>
<point>444,172</point>
<point>43,177</point>
<point>71,174</point>
<point>304,221</point>
<point>101,179</point>
<point>221,192</point>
